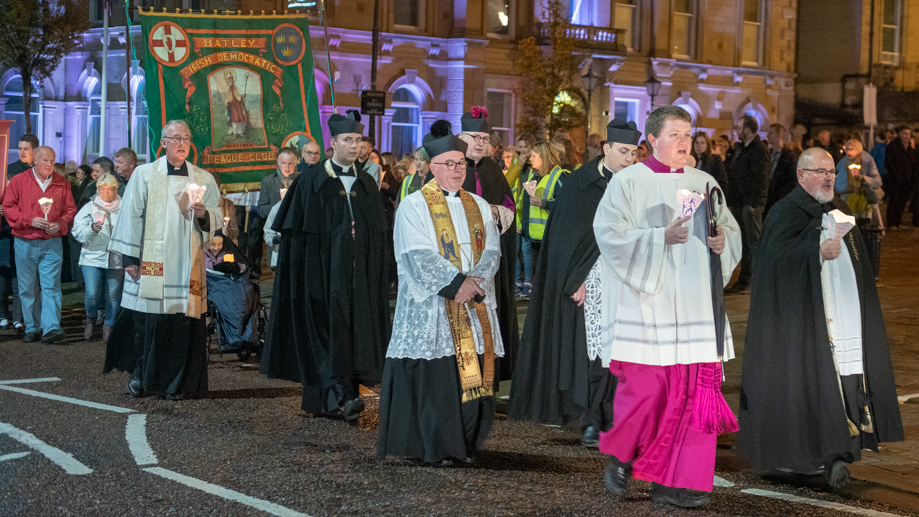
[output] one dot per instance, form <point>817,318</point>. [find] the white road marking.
<point>226,493</point>
<point>136,434</point>
<point>720,481</point>
<point>13,456</point>
<point>59,398</point>
<point>61,458</point>
<point>816,502</point>
<point>904,398</point>
<point>27,381</point>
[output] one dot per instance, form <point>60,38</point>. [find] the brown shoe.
<point>106,332</point>
<point>89,329</point>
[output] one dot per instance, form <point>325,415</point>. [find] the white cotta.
<point>182,240</point>
<point>593,311</point>
<point>657,301</point>
<point>421,329</point>
<point>843,308</point>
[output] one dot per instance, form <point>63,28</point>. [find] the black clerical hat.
<point>622,132</point>
<point>475,120</point>
<point>442,140</point>
<point>350,124</point>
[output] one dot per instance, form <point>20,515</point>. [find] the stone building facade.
<point>719,59</point>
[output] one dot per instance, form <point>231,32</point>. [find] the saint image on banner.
<point>236,116</point>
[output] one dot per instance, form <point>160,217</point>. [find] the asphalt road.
<point>249,450</point>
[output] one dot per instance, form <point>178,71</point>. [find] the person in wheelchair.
<point>232,295</point>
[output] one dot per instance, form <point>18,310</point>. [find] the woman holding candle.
<point>102,269</point>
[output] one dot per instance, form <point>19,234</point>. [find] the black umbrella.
<point>715,263</point>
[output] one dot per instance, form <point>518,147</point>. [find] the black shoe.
<point>334,414</point>
<point>591,437</point>
<point>616,476</point>
<point>837,475</point>
<point>55,337</point>
<point>353,409</point>
<point>468,460</point>
<point>174,396</point>
<point>31,337</point>
<point>135,389</point>
<point>681,497</point>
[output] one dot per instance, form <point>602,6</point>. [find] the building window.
<point>626,109</point>
<point>406,13</point>
<point>499,17</point>
<point>500,107</point>
<point>683,29</point>
<point>626,19</point>
<point>752,33</point>
<point>94,125</point>
<point>406,122</point>
<point>890,32</point>
<point>140,132</point>
<point>15,110</point>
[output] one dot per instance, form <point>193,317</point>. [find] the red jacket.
<point>20,205</point>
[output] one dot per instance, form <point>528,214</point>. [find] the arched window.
<point>406,122</point>
<point>140,132</point>
<point>94,124</point>
<point>15,110</point>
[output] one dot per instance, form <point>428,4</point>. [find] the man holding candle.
<point>39,207</point>
<point>659,330</point>
<point>170,209</point>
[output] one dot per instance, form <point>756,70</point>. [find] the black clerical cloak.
<point>791,413</point>
<point>551,376</point>
<point>494,189</point>
<point>329,324</point>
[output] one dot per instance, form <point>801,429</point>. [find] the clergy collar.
<point>471,163</point>
<point>447,193</point>
<point>172,170</point>
<point>343,167</point>
<point>655,165</point>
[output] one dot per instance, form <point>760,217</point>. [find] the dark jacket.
<point>901,165</point>
<point>751,171</point>
<point>270,191</point>
<point>714,166</point>
<point>784,177</point>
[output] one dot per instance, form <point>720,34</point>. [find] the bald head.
<point>817,174</point>
<point>44,161</point>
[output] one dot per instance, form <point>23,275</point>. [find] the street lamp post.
<point>590,83</point>
<point>653,87</point>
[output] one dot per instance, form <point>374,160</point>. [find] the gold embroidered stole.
<point>475,382</point>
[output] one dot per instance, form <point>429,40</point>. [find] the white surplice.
<point>842,305</point>
<point>421,329</point>
<point>657,302</point>
<point>183,240</point>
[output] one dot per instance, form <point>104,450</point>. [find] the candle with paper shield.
<point>229,258</point>
<point>45,204</point>
<point>195,192</point>
<point>98,217</point>
<point>688,201</point>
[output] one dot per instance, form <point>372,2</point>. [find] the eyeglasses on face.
<point>178,139</point>
<point>450,164</point>
<point>826,173</point>
<point>479,139</point>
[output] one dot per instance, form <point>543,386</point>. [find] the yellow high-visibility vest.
<point>545,190</point>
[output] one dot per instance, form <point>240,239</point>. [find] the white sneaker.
<point>18,325</point>
<point>4,322</point>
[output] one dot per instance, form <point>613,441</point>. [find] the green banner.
<point>244,84</point>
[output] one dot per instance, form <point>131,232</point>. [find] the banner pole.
<point>104,115</point>
<point>127,61</point>
<point>328,56</point>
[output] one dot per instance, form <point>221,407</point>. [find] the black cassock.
<point>329,325</point>
<point>554,380</point>
<point>791,412</point>
<point>486,179</point>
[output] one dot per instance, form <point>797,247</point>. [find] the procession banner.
<point>243,83</point>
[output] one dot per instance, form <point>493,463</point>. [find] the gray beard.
<point>821,197</point>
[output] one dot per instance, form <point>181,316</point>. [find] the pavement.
<point>73,443</point>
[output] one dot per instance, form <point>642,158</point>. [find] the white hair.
<point>171,123</point>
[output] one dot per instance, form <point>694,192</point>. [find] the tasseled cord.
<point>711,413</point>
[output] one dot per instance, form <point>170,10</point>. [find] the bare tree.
<point>36,36</point>
<point>548,65</point>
